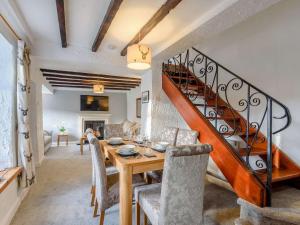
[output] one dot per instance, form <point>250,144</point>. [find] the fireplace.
<point>96,121</point>
<point>97,126</point>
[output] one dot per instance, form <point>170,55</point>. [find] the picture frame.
<point>138,107</point>
<point>145,97</point>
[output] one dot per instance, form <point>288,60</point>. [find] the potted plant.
<point>62,129</point>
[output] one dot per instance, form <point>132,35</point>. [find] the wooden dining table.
<point>127,167</point>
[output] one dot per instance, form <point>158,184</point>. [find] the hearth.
<point>97,126</point>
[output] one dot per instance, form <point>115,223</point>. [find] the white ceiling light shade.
<point>138,57</point>
<point>98,88</point>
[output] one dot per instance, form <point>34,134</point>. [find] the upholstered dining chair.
<point>168,134</point>
<point>186,137</point>
<point>110,170</point>
<point>179,198</point>
<point>113,130</point>
<point>183,137</point>
<point>106,196</point>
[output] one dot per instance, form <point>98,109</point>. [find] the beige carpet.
<point>61,195</point>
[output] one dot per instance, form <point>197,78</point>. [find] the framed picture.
<point>145,97</point>
<point>138,107</point>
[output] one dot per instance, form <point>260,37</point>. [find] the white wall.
<point>146,85</point>
<point>65,106</point>
<point>132,95</point>
<point>265,51</point>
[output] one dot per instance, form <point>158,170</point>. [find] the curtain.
<point>24,138</point>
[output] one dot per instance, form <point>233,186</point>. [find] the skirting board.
<point>10,215</point>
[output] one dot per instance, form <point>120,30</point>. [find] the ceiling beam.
<point>50,71</point>
<point>109,16</point>
<point>61,21</point>
<point>90,84</point>
<point>50,79</point>
<point>71,77</point>
<point>89,87</point>
<point>155,19</point>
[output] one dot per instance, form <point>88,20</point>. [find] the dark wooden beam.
<point>109,16</point>
<point>72,86</point>
<point>156,18</point>
<point>50,79</point>
<point>51,76</point>
<point>61,21</point>
<point>90,84</point>
<point>82,74</point>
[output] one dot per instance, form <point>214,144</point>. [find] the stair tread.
<point>254,151</point>
<point>210,105</point>
<point>281,174</point>
<point>243,134</point>
<point>222,118</point>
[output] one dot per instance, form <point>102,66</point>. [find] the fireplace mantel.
<point>91,116</point>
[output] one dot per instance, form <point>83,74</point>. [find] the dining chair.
<point>183,137</point>
<point>93,189</point>
<point>110,170</point>
<point>186,137</point>
<point>106,195</point>
<point>179,198</point>
<point>169,134</point>
<point>113,130</point>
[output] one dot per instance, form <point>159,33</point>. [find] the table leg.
<point>58,141</point>
<point>67,140</point>
<point>126,196</point>
<point>81,146</point>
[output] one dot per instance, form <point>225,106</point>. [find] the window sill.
<point>8,176</point>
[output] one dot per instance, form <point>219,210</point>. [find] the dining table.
<point>127,167</point>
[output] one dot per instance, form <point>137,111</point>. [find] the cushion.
<point>113,191</point>
<point>148,197</point>
<point>126,127</point>
<point>113,130</point>
<point>47,140</point>
<point>46,133</point>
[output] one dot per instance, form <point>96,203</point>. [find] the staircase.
<point>237,119</point>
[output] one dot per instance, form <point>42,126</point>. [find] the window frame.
<point>7,34</point>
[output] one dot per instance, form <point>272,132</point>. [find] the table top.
<point>62,134</point>
<point>140,160</point>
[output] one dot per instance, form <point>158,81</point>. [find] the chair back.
<point>90,130</point>
<point>98,159</point>
<point>186,137</point>
<point>113,130</point>
<point>169,134</point>
<point>183,184</point>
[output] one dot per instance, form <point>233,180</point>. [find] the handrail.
<point>202,78</point>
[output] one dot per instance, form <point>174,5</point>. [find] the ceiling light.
<point>98,88</point>
<point>138,57</point>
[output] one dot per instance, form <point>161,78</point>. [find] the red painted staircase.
<point>222,106</point>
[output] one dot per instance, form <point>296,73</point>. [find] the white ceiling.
<point>185,26</point>
<point>83,19</point>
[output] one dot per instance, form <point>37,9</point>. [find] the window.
<point>7,103</point>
